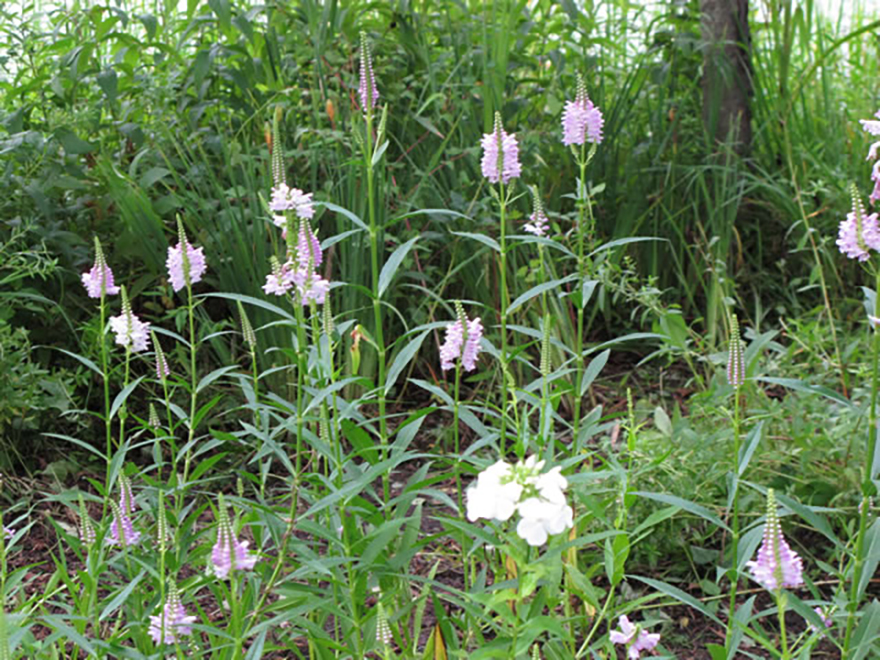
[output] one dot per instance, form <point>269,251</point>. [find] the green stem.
<point>599,619</point>
<point>101,338</point>
<point>301,370</point>
<point>457,454</point>
<point>867,480</point>
<point>108,423</point>
<point>783,637</point>
<point>193,398</point>
<point>122,410</point>
<point>733,575</point>
<point>579,339</point>
<point>505,303</point>
<point>378,334</point>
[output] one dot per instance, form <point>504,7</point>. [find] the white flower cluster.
<point>502,489</point>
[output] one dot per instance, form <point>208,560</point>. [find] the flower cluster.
<point>736,367</point>
<point>824,613</point>
<point>458,344</point>
<point>872,126</point>
<point>634,638</point>
<point>122,531</point>
<point>130,331</point>
<point>503,489</point>
<point>500,154</point>
<point>777,565</point>
<point>99,280</point>
<point>581,120</point>
<point>298,273</point>
<point>310,286</point>
<point>860,232</point>
<point>285,198</point>
<point>229,553</point>
<point>184,259</point>
<point>367,90</point>
<point>173,620</point>
<point>538,221</point>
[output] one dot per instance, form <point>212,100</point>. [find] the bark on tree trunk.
<point>727,74</point>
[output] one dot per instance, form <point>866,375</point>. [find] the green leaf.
<point>403,358</point>
<point>752,441</point>
<point>717,651</point>
<point>87,362</point>
<point>587,289</point>
<point>596,365</point>
<point>866,632</point>
<point>120,598</point>
<point>872,558</point>
<point>378,153</point>
<point>348,214</point>
<point>108,82</point>
<point>687,505</point>
<point>679,595</point>
<point>480,238</point>
<point>800,386</point>
<point>150,23</point>
<point>742,616</point>
<point>123,395</point>
<point>624,241</point>
<point>393,263</point>
<point>818,522</point>
<point>73,144</point>
<point>255,652</point>
<point>252,301</point>
<point>538,290</point>
<point>68,634</point>
<point>616,553</point>
<point>214,375</point>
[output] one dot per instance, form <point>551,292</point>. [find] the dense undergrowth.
<point>592,459</point>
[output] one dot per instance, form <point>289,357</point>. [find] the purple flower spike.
<point>126,498</point>
<point>176,621</point>
<point>633,637</point>
<point>450,351</point>
<point>186,264</point>
<point>280,280</point>
<point>285,198</point>
<point>162,370</point>
<point>456,345</point>
<point>8,532</point>
<point>859,232</point>
<point>310,286</point>
<point>538,221</point>
<point>581,121</point>
<point>130,331</point>
<point>472,345</point>
<point>99,280</point>
<point>122,531</point>
<point>308,249</point>
<point>500,154</point>
<point>229,553</point>
<point>777,566</point>
<point>736,368</point>
<point>367,89</point>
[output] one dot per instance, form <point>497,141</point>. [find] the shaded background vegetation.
<point>114,119</point>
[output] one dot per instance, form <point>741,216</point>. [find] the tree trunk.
<point>727,75</point>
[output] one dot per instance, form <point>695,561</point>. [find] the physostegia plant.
<point>582,124</point>
<point>736,374</point>
<point>186,266</point>
<point>500,165</point>
<point>369,97</point>
<point>858,235</point>
<point>777,568</point>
